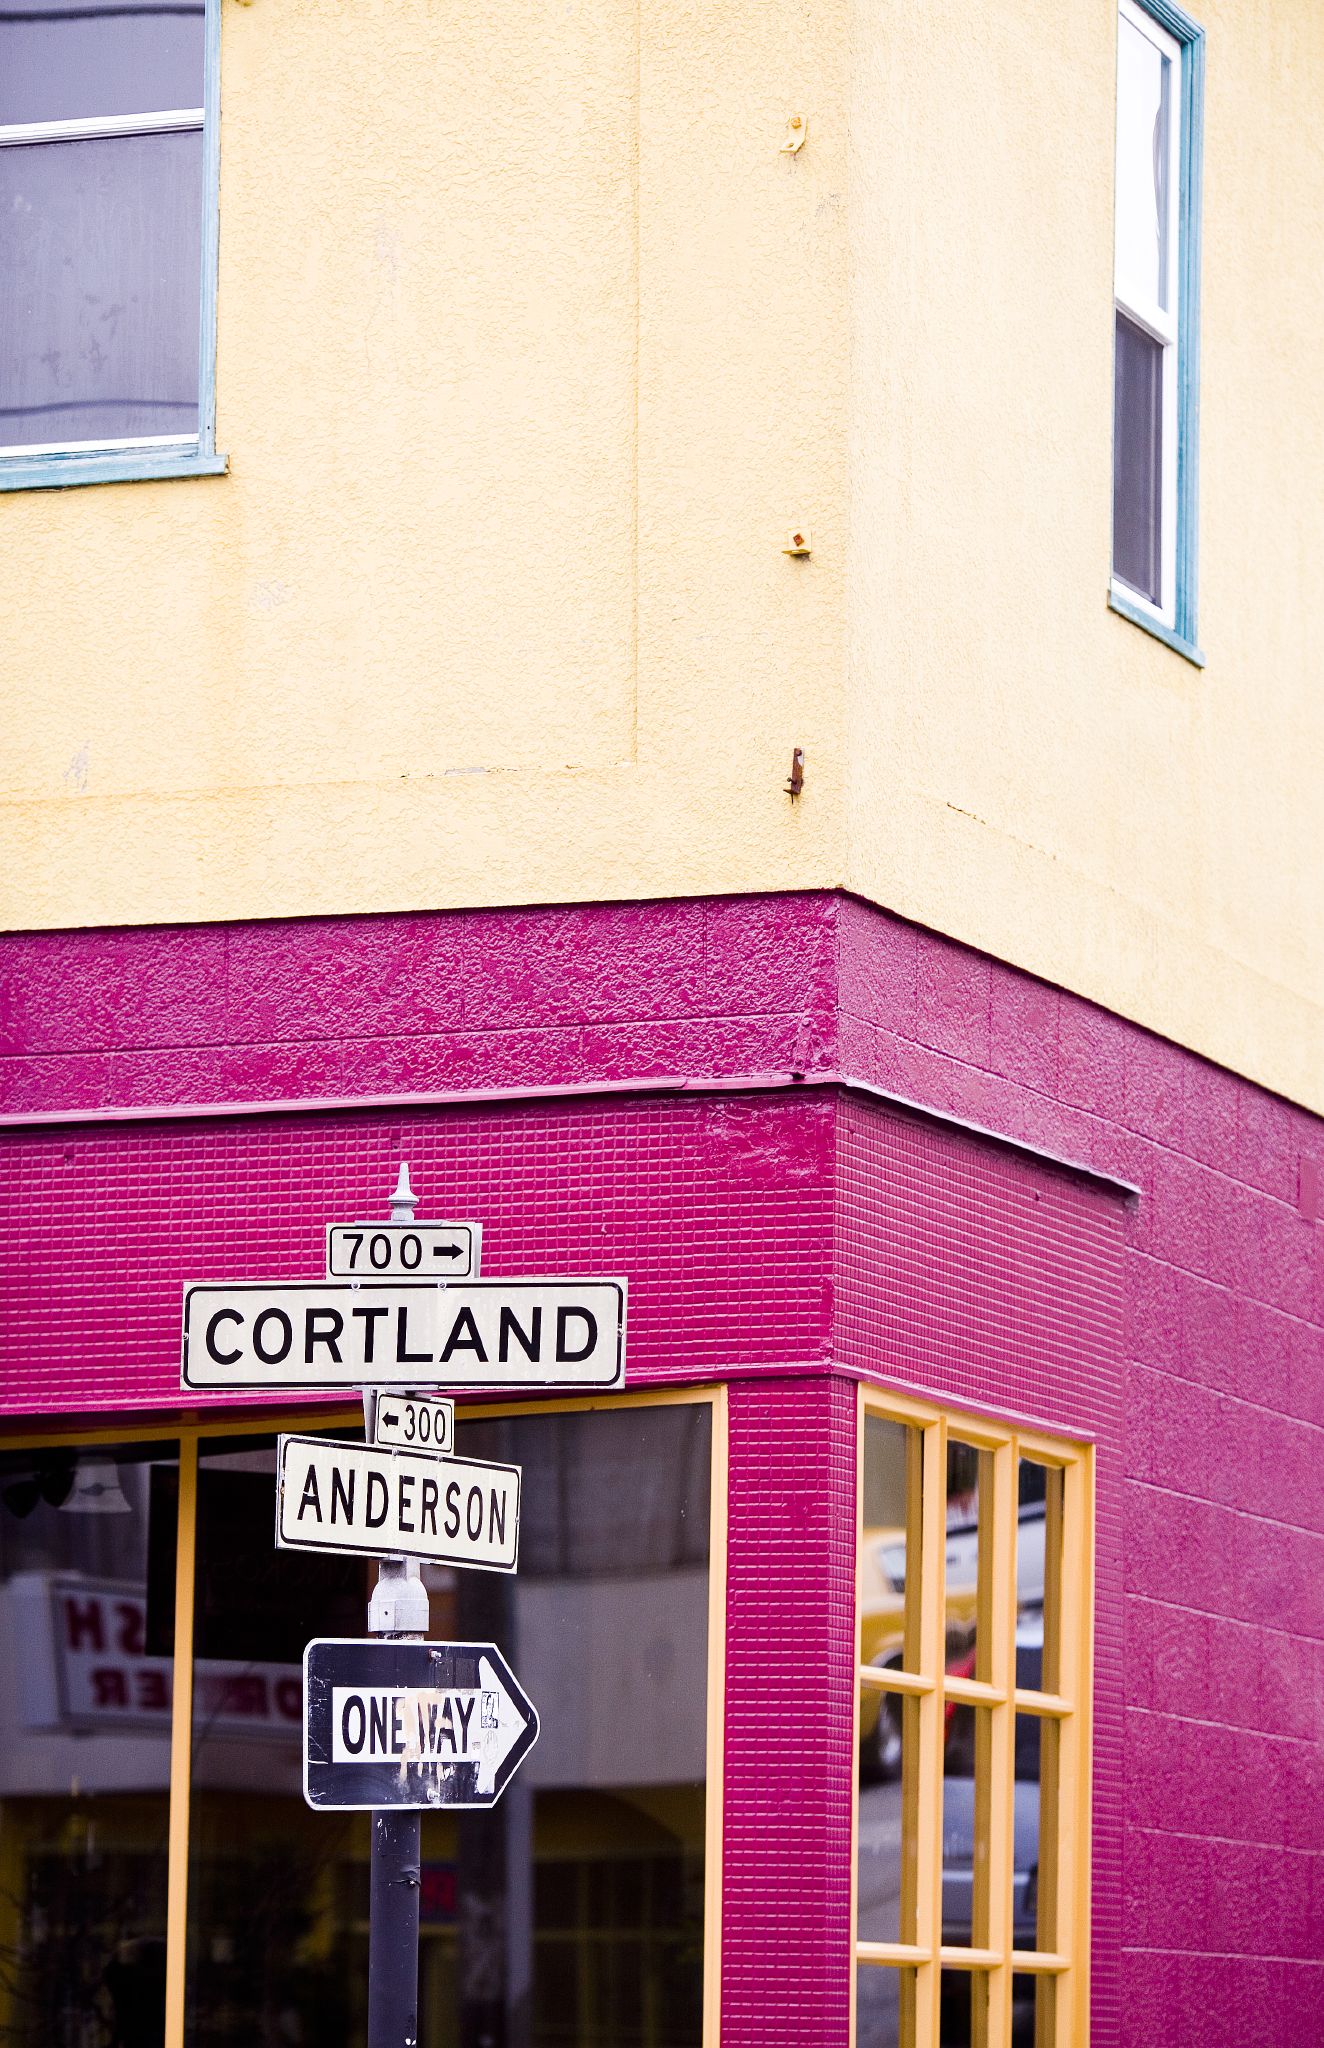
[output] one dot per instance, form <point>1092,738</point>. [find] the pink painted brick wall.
<point>1185,1329</point>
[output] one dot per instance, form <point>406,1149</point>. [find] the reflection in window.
<point>85,1702</point>
<point>968,1895</point>
<point>573,1912</point>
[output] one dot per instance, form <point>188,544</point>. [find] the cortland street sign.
<point>339,1333</point>
<point>389,1503</point>
<point>402,1251</point>
<point>411,1724</point>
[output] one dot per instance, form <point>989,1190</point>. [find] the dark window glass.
<point>100,250</point>
<point>1138,460</point>
<point>64,60</point>
<point>889,1566</point>
<point>85,1703</point>
<point>573,1912</point>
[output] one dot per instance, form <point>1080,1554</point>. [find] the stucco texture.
<point>533,347</point>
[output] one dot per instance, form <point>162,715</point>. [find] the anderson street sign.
<point>411,1724</point>
<point>341,1333</point>
<point>389,1503</point>
<point>410,1423</point>
<point>402,1251</point>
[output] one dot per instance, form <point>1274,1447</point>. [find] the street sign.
<point>412,1424</point>
<point>411,1724</point>
<point>340,1333</point>
<point>356,1498</point>
<point>403,1251</point>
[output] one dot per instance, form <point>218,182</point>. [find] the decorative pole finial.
<point>404,1200</point>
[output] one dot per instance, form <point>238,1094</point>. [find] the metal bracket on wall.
<point>797,127</point>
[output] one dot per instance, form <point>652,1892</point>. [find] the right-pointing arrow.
<point>503,1731</point>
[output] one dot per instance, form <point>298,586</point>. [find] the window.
<point>162,1881</point>
<point>973,1733</point>
<point>1155,351</point>
<point>107,242</point>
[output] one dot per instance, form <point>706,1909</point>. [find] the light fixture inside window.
<point>96,1491</point>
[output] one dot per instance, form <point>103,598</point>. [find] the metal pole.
<point>399,1607</point>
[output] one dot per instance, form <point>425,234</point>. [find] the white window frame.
<point>1162,323</point>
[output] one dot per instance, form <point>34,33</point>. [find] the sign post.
<point>398,1724</point>
<point>398,1608</point>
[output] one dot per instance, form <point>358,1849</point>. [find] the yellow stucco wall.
<point>534,345</point>
<point>1031,772</point>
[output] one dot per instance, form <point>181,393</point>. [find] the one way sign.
<point>411,1724</point>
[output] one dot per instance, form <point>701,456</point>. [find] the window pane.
<point>967,1764</point>
<point>884,2006</point>
<point>100,247</point>
<point>890,1545</point>
<point>68,59</point>
<point>87,1548</point>
<point>887,1843</point>
<point>969,1560</point>
<point>1034,1900</point>
<point>1034,2011</point>
<point>963,2009</point>
<point>1039,1577</point>
<point>584,1889</point>
<point>1144,93</point>
<point>1138,460</point>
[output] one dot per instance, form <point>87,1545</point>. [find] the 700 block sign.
<point>471,1333</point>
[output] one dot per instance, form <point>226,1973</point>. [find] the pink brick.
<point>1176,1215</point>
<point>1173,1877</point>
<point>1303,1357</point>
<point>769,953</point>
<point>1235,1224</point>
<point>1210,1099</point>
<point>1267,1150</point>
<point>1234,1680</point>
<point>1091,1059</point>
<point>361,977</point>
<point>1153,1090</point>
<point>952,1000</point>
<point>464,1060</point>
<point>1153,2012</point>
<point>698,1047</point>
<point>75,1080</point>
<point>1264,1350</point>
<point>1181,1662</point>
<point>877,958</point>
<point>91,991</point>
<point>1156,1297</point>
<point>607,962</point>
<point>1292,1262</point>
<point>1290,1688</point>
<point>1023,1027</point>
<point>1301,1778</point>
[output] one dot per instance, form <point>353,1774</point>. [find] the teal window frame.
<point>1182,636</point>
<point>61,468</point>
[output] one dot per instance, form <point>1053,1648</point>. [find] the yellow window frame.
<point>190,1436</point>
<point>1066,1967</point>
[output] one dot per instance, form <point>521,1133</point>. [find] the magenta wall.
<point>787,1238</point>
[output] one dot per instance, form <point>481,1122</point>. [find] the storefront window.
<point>86,1688</point>
<point>573,1912</point>
<point>971,1865</point>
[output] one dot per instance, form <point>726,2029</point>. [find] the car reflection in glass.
<point>958,1842</point>
<point>882,1613</point>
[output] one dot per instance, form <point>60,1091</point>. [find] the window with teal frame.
<point>1156,334</point>
<point>109,152</point>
